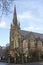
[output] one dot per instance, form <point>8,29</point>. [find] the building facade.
<point>23,42</point>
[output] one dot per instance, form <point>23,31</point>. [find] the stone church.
<point>22,41</point>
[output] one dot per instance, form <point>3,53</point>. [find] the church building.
<point>23,42</point>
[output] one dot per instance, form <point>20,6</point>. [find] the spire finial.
<point>15,16</point>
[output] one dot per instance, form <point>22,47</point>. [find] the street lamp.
<point>26,57</point>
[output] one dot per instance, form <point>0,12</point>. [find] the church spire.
<point>15,16</point>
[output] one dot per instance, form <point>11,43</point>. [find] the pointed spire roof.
<point>15,16</point>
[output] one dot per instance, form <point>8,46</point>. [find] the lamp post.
<point>26,57</point>
<point>22,53</point>
<point>22,57</point>
<point>18,58</point>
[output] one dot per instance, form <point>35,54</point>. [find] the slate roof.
<point>25,34</point>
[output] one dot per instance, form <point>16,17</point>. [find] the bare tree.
<point>5,6</point>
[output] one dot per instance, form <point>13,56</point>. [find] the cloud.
<point>32,11</point>
<point>32,28</point>
<point>2,24</point>
<point>28,16</point>
<point>31,15</point>
<point>25,15</point>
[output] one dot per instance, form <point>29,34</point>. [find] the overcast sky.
<point>30,16</point>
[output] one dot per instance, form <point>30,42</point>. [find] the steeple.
<point>15,16</point>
